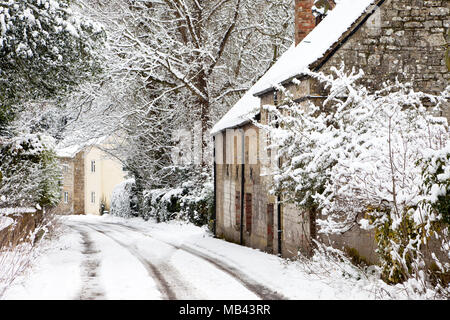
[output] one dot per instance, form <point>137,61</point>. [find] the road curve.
<point>259,289</point>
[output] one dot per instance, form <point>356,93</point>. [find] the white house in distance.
<point>89,177</point>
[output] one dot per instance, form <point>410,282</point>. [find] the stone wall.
<point>260,208</point>
<point>67,166</point>
<point>404,39</point>
<point>79,179</point>
<point>260,220</point>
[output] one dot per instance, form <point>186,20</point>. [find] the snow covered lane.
<point>109,271</point>
<point>178,273</point>
<point>102,259</point>
<point>109,257</point>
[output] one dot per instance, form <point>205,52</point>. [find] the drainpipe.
<point>280,231</point>
<point>214,217</point>
<point>242,185</point>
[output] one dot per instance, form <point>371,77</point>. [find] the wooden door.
<point>270,227</point>
<point>248,212</point>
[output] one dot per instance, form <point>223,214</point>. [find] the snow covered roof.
<point>296,60</point>
<point>70,150</point>
<point>245,109</point>
<point>314,46</point>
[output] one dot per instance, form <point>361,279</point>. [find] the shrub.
<point>436,182</point>
<point>357,153</point>
<point>30,172</point>
<point>123,203</point>
<point>190,202</point>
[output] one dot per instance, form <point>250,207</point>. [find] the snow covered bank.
<point>55,275</point>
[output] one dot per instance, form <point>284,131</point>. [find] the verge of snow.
<point>7,211</point>
<point>55,275</point>
<point>5,222</point>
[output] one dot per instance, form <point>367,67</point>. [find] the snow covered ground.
<point>115,258</point>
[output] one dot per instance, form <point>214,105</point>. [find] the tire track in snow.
<point>262,291</point>
<point>91,288</point>
<point>166,277</point>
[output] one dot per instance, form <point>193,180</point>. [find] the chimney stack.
<point>305,20</point>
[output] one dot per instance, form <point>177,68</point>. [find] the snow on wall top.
<point>295,60</point>
<point>8,211</point>
<point>315,44</point>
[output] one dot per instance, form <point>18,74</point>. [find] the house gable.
<point>318,45</point>
<point>397,39</point>
<point>404,40</point>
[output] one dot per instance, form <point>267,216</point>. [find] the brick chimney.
<point>305,20</point>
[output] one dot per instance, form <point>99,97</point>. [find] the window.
<point>66,197</point>
<point>269,143</point>
<point>92,197</point>
<point>65,168</point>
<point>275,98</point>
<point>93,166</point>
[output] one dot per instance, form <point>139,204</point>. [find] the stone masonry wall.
<point>78,197</point>
<point>403,39</point>
<point>67,166</point>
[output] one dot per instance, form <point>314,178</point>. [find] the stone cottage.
<point>89,177</point>
<point>388,39</point>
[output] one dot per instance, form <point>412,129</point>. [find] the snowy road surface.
<point>115,258</point>
<point>157,267</point>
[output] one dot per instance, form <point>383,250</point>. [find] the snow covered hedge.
<point>191,202</point>
<point>29,172</point>
<point>123,200</point>
<point>377,155</point>
<point>435,186</point>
